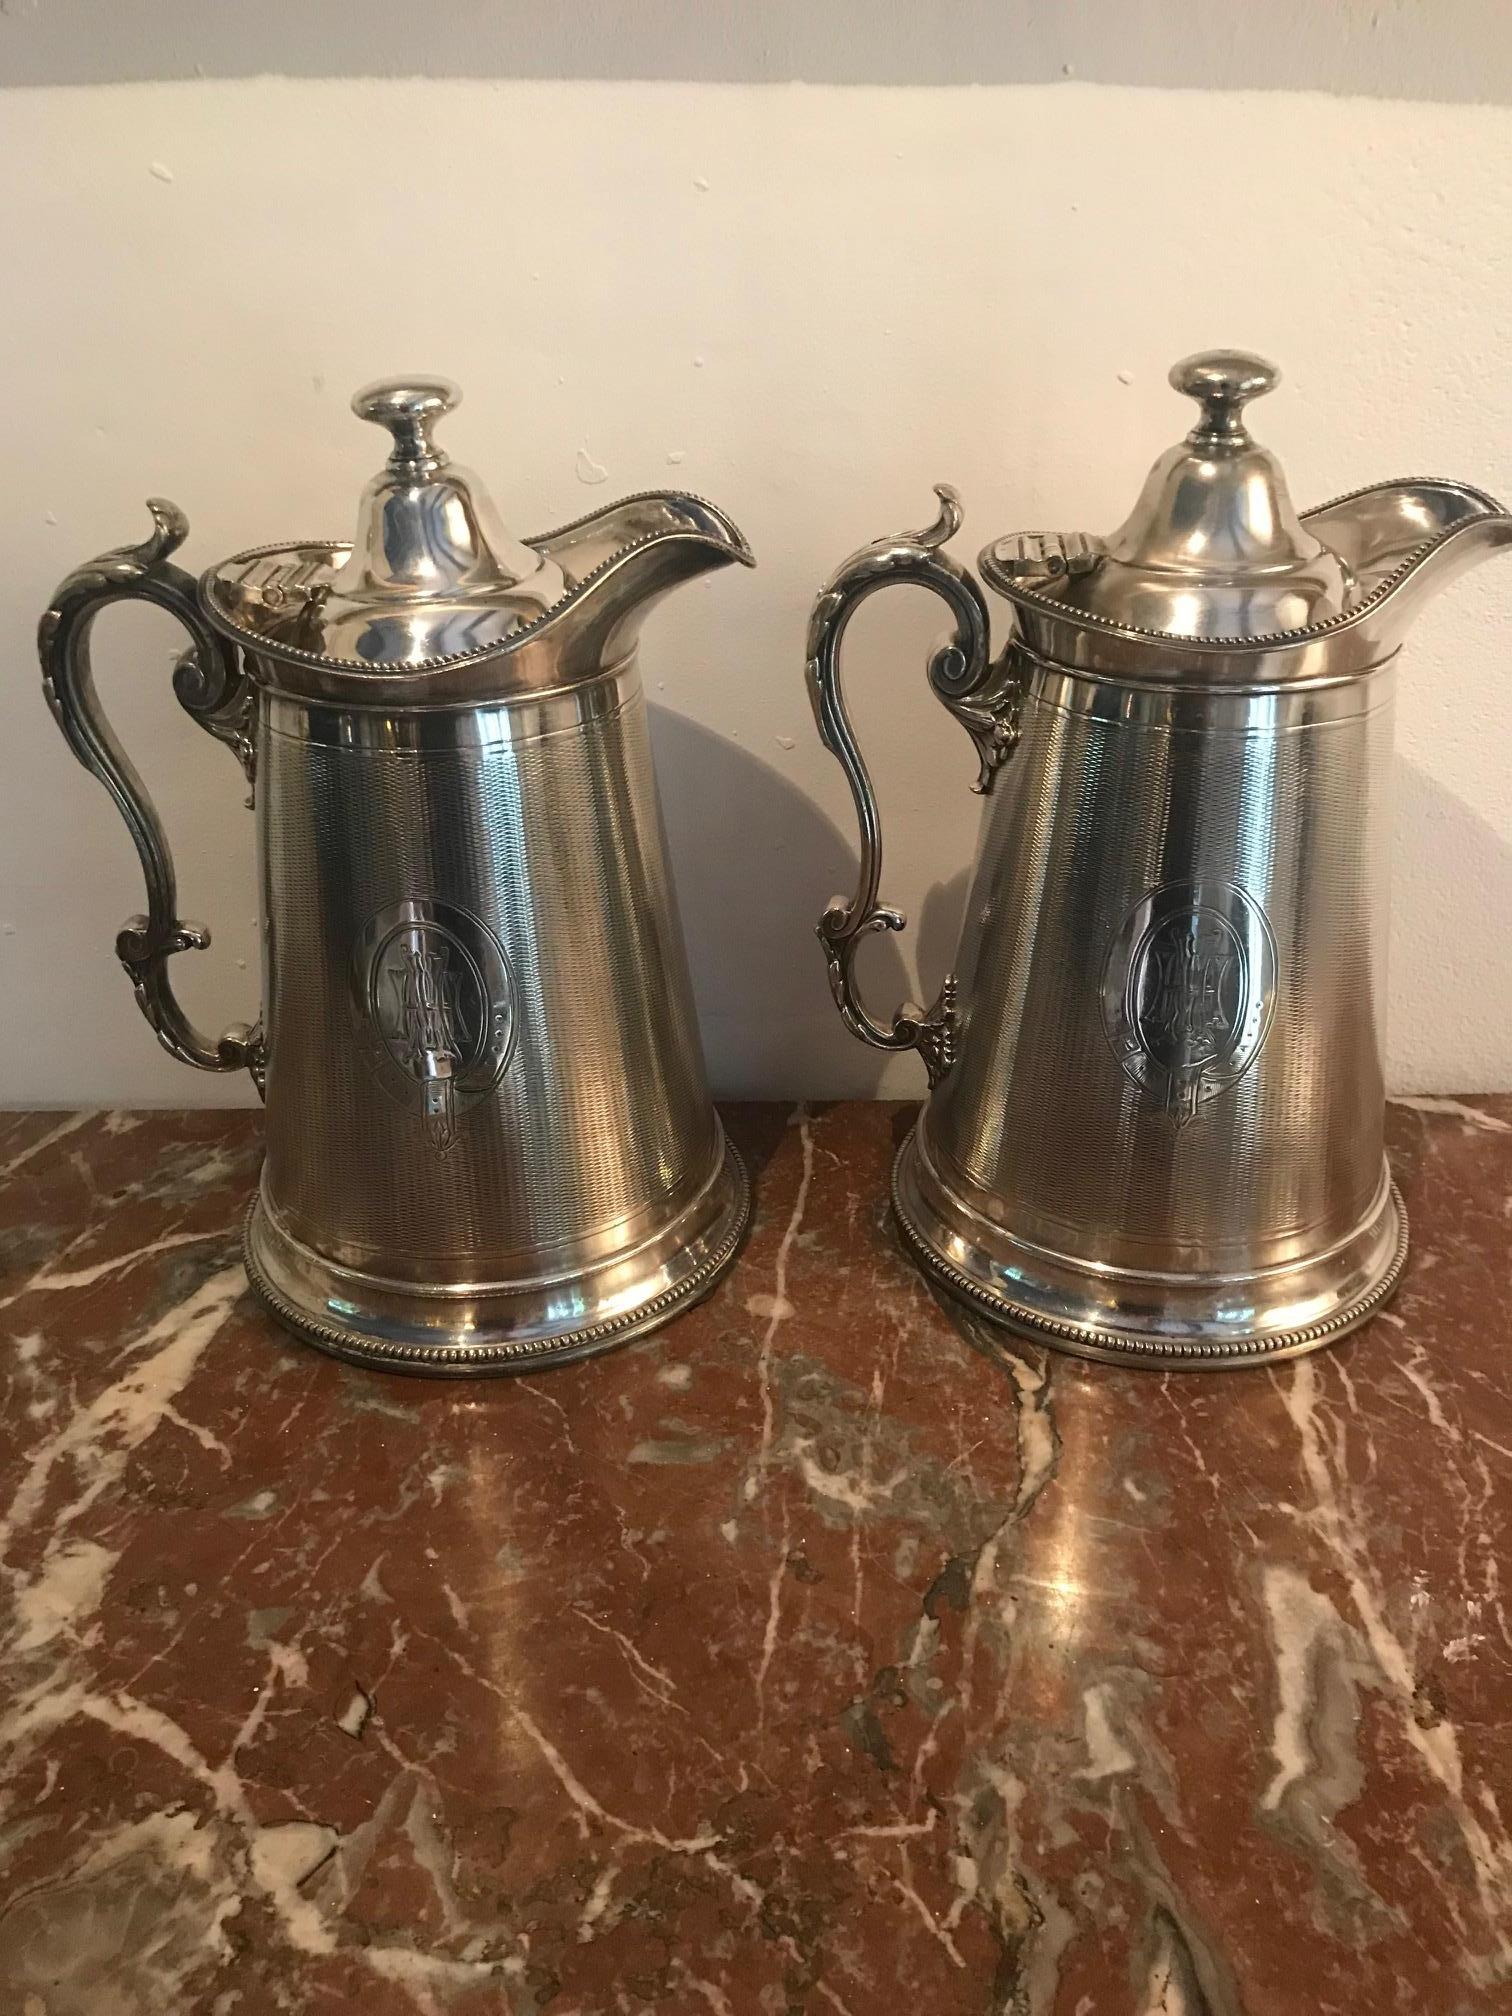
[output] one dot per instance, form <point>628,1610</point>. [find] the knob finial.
<point>1223,382</point>
<point>409,408</point>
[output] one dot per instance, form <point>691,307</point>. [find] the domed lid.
<point>1213,548</point>
<point>431,573</point>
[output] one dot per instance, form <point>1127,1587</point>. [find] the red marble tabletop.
<point>826,1652</point>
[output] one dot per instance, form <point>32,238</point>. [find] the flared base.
<point>461,1331</point>
<point>1166,1321</point>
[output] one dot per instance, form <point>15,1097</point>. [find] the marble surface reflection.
<point>824,1653</point>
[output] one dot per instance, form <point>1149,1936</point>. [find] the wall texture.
<point>805,301</point>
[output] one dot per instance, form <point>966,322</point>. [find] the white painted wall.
<point>807,302</point>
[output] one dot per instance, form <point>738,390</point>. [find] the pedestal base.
<point>1168,1322</point>
<point>499,1326</point>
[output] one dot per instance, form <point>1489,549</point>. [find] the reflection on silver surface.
<point>1155,1132</point>
<point>490,1142</point>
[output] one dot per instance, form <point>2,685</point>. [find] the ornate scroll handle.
<point>217,694</point>
<point>984,698</point>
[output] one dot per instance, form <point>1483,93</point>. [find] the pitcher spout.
<point>1404,541</point>
<point>625,559</point>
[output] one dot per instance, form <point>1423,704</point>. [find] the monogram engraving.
<point>419,1004</point>
<point>1189,990</point>
<point>435,1003</point>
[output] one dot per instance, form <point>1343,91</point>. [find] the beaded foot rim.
<point>1119,1347</point>
<point>461,1361</point>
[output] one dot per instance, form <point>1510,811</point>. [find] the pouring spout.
<point>1404,541</point>
<point>625,559</point>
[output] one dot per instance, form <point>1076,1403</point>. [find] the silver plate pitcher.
<point>1155,1133</point>
<point>489,1140</point>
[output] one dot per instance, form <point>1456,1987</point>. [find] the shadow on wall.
<point>755,862</point>
<point>1449,983</point>
<point>1449,53</point>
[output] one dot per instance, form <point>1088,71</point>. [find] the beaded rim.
<point>1123,1347</point>
<point>253,640</point>
<point>1016,591</point>
<point>458,1360</point>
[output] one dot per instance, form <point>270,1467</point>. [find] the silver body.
<point>489,1138</point>
<point>582,1184</point>
<point>1155,1130</point>
<point>1160,1123</point>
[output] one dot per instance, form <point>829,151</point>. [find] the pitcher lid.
<point>1213,548</point>
<point>431,573</point>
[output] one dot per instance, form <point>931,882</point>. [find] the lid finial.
<point>1223,382</point>
<point>1213,549</point>
<point>409,408</point>
<point>431,570</point>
